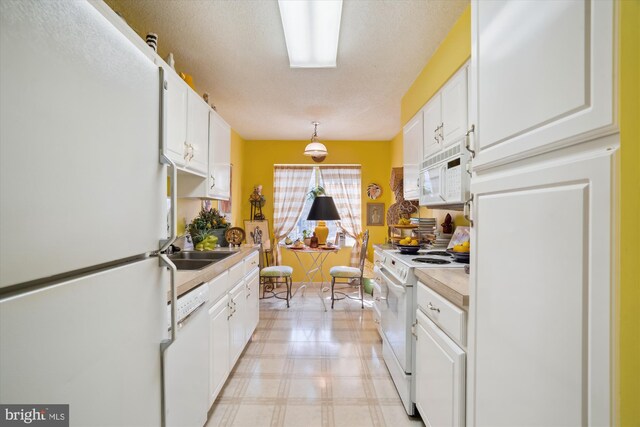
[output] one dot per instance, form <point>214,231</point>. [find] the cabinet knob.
<point>432,307</point>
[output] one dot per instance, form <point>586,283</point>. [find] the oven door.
<point>396,317</point>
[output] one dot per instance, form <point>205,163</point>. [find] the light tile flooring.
<point>305,367</point>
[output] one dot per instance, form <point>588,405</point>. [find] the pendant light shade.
<point>315,149</point>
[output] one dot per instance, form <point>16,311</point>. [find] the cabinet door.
<point>198,132</point>
<point>237,339</point>
<point>176,117</point>
<point>252,284</point>
<point>412,156</point>
<point>440,376</point>
<point>218,346</point>
<point>543,73</point>
<point>432,121</point>
<point>454,108</point>
<point>542,291</point>
<point>219,158</point>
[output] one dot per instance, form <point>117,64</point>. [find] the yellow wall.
<point>628,319</point>
<point>452,53</point>
<point>396,151</point>
<point>260,156</point>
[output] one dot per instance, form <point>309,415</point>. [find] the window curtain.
<point>343,183</point>
<point>290,186</point>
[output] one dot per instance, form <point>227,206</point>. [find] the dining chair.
<point>353,276</point>
<point>272,275</point>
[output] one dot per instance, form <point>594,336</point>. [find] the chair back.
<point>363,249</point>
<point>265,254</point>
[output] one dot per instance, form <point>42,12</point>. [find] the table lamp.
<point>323,209</point>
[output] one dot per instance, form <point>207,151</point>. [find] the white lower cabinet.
<point>540,322</point>
<point>237,314</point>
<point>252,285</point>
<point>440,376</point>
<point>218,346</point>
<point>233,316</point>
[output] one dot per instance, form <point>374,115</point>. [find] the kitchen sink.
<point>198,255</point>
<point>196,260</point>
<point>192,264</point>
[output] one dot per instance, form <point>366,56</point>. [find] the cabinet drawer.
<point>236,273</point>
<point>450,318</point>
<point>250,262</point>
<point>218,287</point>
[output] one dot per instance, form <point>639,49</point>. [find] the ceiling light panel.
<point>311,31</point>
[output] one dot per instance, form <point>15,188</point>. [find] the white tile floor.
<point>305,367</point>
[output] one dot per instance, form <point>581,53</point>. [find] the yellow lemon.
<point>466,244</point>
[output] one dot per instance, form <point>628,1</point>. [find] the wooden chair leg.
<point>333,283</point>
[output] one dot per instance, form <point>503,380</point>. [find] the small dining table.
<point>318,257</point>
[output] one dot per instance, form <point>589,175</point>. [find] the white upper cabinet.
<point>176,117</point>
<point>197,132</point>
<point>186,123</point>
<point>219,178</point>
<point>445,115</point>
<point>432,113</point>
<point>454,108</point>
<point>543,74</point>
<point>412,156</point>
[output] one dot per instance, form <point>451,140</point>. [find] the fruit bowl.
<point>408,249</point>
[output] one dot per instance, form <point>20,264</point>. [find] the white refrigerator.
<point>83,294</point>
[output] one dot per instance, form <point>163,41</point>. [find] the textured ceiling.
<point>235,50</point>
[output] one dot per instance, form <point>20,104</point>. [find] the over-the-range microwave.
<point>444,179</point>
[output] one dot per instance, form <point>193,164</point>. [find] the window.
<point>330,178</point>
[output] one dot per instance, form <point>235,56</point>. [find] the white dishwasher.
<point>186,363</point>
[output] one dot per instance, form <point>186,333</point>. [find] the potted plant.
<point>208,223</point>
<point>306,235</point>
<point>315,192</point>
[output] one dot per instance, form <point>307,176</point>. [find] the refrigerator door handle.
<point>165,160</point>
<point>164,260</point>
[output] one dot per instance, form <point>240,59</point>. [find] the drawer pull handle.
<point>432,307</point>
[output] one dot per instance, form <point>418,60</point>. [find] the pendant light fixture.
<point>315,149</point>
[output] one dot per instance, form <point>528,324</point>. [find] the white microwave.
<point>444,179</point>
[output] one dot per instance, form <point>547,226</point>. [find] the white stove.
<point>397,307</point>
<point>400,265</point>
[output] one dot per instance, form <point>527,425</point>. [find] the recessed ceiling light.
<point>311,31</point>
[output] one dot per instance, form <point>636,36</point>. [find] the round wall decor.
<point>235,235</point>
<point>374,191</point>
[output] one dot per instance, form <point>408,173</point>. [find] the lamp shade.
<point>315,149</point>
<point>323,209</point>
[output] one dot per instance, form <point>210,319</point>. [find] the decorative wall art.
<point>374,191</point>
<point>256,231</point>
<point>375,213</point>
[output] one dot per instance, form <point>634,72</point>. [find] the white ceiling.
<point>235,50</point>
